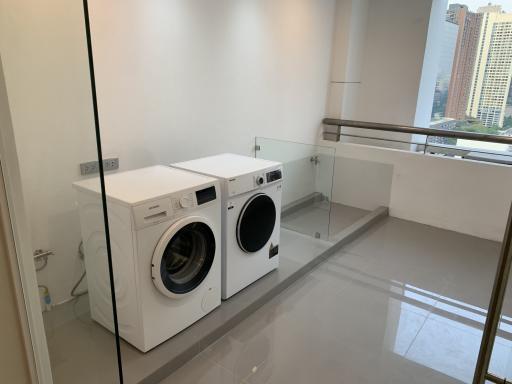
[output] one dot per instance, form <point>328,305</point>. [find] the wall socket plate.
<point>92,167</point>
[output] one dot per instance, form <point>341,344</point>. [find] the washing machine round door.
<point>256,223</point>
<point>183,257</point>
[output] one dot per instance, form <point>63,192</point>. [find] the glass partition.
<point>50,163</point>
<point>308,182</point>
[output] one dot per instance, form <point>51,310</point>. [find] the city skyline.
<point>474,4</point>
<point>479,54</point>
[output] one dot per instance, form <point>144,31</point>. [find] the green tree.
<point>477,127</point>
<point>507,123</point>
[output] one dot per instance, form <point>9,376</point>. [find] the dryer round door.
<point>256,223</point>
<point>183,257</point>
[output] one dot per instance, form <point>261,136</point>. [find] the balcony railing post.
<point>495,308</point>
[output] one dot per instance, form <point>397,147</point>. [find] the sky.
<point>474,4</point>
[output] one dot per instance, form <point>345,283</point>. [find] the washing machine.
<point>251,215</point>
<point>165,232</point>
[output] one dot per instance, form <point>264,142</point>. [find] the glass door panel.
<point>48,149</point>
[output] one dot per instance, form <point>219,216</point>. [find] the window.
<point>473,87</point>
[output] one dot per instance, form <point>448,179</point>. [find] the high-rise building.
<point>452,14</point>
<point>492,75</point>
<point>448,45</point>
<point>464,59</point>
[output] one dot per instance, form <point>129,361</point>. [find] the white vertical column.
<point>430,63</point>
<point>347,57</point>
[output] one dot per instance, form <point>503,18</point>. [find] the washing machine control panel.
<point>195,199</point>
<point>161,210</point>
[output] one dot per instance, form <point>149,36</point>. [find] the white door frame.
<point>25,273</point>
<point>13,270</point>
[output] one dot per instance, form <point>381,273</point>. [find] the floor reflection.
<point>448,344</point>
<point>405,303</point>
<point>444,334</point>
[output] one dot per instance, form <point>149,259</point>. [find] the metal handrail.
<point>495,308</point>
<point>416,131</point>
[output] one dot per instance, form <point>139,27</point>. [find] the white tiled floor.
<point>401,304</point>
<point>82,352</point>
<point>300,248</point>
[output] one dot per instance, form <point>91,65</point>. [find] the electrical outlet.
<point>92,167</point>
<point>111,164</point>
<point>89,168</point>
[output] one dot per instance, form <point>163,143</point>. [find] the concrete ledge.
<point>304,202</point>
<point>355,230</point>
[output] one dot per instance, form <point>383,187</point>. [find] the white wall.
<point>459,195</point>
<point>347,57</point>
<point>362,183</point>
<point>43,51</point>
<point>176,79</point>
<point>393,67</point>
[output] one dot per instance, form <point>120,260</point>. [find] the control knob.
<point>186,201</point>
<point>260,180</point>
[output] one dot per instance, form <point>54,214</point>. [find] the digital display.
<point>274,176</point>
<point>206,195</point>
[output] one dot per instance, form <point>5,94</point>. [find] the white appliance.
<point>251,215</point>
<point>165,229</point>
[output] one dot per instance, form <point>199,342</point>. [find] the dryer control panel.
<point>267,177</point>
<point>274,176</point>
<point>250,182</point>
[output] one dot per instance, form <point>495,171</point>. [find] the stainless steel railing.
<point>410,130</point>
<point>494,312</point>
